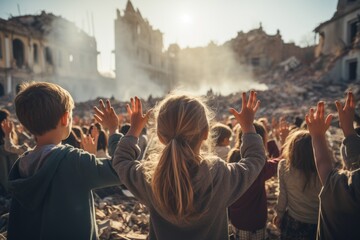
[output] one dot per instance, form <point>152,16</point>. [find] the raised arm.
<point>318,125</point>
<point>349,149</point>
<point>346,115</point>
<point>242,174</point>
<point>8,128</point>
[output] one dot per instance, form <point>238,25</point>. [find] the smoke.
<point>70,59</point>
<point>214,67</point>
<point>141,69</point>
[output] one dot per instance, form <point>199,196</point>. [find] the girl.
<point>7,158</point>
<point>221,135</point>
<point>298,202</point>
<point>187,192</point>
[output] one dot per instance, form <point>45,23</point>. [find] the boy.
<point>51,184</point>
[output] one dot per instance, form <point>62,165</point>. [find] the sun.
<point>186,19</point>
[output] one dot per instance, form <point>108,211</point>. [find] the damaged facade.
<point>262,51</point>
<point>48,48</point>
<point>339,39</point>
<point>139,51</point>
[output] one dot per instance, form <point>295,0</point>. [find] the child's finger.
<point>252,99</point>
<point>97,118</point>
<point>321,110</point>
<point>139,105</point>
<point>351,100</point>
<point>102,105</point>
<point>328,121</point>
<point>132,104</point>
<point>128,109</point>
<point>257,105</point>
<point>234,112</point>
<point>307,119</point>
<point>311,114</point>
<point>98,111</point>
<point>244,102</point>
<point>339,106</point>
<point>108,105</point>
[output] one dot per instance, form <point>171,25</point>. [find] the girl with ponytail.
<point>188,191</point>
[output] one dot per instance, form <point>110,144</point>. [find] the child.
<point>187,192</point>
<point>248,214</point>
<point>339,199</point>
<point>298,203</point>
<point>7,158</point>
<point>221,134</point>
<point>51,184</point>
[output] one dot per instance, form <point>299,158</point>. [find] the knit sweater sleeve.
<point>282,198</point>
<point>130,171</point>
<point>239,176</point>
<point>94,172</point>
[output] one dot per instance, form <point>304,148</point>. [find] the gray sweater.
<point>216,184</point>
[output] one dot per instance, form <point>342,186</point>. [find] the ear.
<point>64,120</point>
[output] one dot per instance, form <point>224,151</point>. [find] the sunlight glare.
<point>186,19</point>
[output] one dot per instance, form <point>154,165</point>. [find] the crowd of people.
<point>200,178</point>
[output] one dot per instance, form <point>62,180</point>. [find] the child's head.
<point>125,128</point>
<point>299,155</point>
<point>221,134</point>
<point>72,140</point>
<point>40,106</point>
<point>102,141</point>
<point>259,128</point>
<point>182,123</point>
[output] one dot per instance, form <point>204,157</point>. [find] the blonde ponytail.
<point>181,125</point>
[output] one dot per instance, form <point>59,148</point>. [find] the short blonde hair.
<point>40,105</point>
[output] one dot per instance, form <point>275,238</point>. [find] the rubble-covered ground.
<point>290,94</point>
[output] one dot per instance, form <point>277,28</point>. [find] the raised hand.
<point>138,120</point>
<point>318,125</point>
<point>247,113</point>
<point>106,116</point>
<point>88,143</point>
<point>284,130</point>
<point>95,134</point>
<point>7,126</point>
<point>346,114</point>
<point>316,121</point>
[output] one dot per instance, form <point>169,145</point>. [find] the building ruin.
<point>48,48</point>
<point>339,40</point>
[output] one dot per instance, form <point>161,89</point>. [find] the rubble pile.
<point>121,217</point>
<point>291,92</point>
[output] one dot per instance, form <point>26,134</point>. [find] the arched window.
<point>35,53</point>
<point>48,56</point>
<point>18,52</point>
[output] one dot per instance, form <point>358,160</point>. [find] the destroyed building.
<point>262,51</point>
<point>48,48</point>
<point>339,38</point>
<point>138,51</point>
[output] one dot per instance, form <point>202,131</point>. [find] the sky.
<point>189,23</point>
